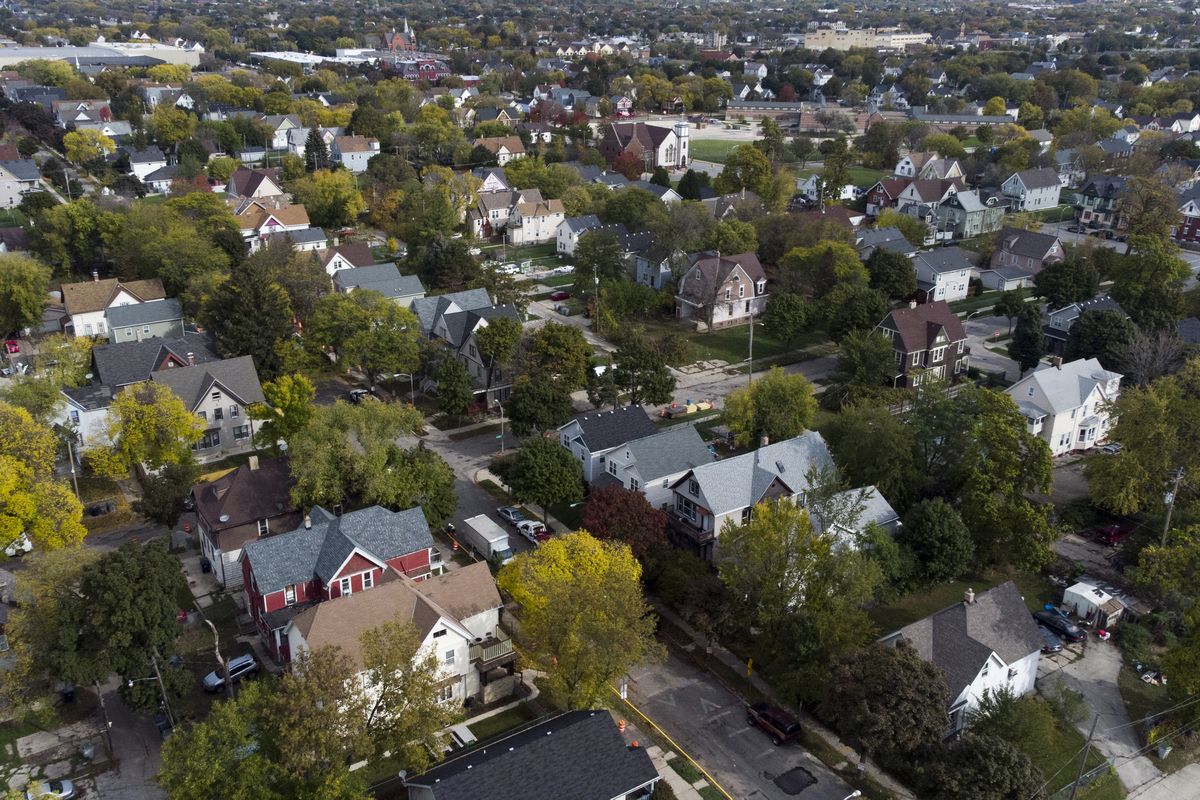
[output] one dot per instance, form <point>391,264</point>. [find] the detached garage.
<point>1093,605</point>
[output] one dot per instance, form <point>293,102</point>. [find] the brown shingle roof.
<point>493,144</point>
<point>352,144</point>
<point>245,495</point>
<point>358,254</point>
<point>918,326</point>
<point>255,215</point>
<point>80,298</point>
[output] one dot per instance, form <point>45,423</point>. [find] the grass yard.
<point>921,603</point>
<point>1063,751</point>
<point>979,301</point>
<point>728,344</point>
<point>555,281</point>
<point>11,218</point>
<point>713,149</point>
<point>503,722</point>
<point>151,200</point>
<point>571,516</point>
<point>1141,699</point>
<point>1056,214</point>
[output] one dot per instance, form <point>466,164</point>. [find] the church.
<point>655,145</point>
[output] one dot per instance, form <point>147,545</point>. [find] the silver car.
<point>59,790</point>
<point>511,514</point>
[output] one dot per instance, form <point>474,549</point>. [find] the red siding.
<point>356,564</point>
<point>412,564</point>
<point>356,581</point>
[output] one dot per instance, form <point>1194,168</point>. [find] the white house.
<point>535,222</point>
<point>504,148</point>
<point>354,152</point>
<point>1068,404</point>
<point>17,178</point>
<point>985,644</point>
<point>810,189</point>
<point>570,229</point>
<point>143,162</point>
<point>943,273</point>
<point>591,437</point>
<point>1032,189</point>
<point>652,463</point>
<point>86,302</point>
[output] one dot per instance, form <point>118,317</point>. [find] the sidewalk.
<point>739,667</point>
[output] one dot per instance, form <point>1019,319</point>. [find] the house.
<point>570,229</point>
<point>652,463</point>
<point>656,267</point>
<point>245,182</point>
<point>326,558</point>
<point>720,291</point>
<point>1043,137</point>
<point>986,644</point>
<point>249,503</point>
<point>534,222</point>
<point>922,196</point>
<point>653,145</point>
<point>890,239</point>
<point>928,166</point>
<point>307,240</point>
<point>87,302</point>
<point>346,256</point>
<point>812,190</point>
<point>220,393</point>
<point>577,754</point>
<point>17,178</point>
<point>754,69</point>
<point>1027,252</point>
<point>1096,203</point>
<point>504,148</point>
<point>383,278</point>
<point>737,204</point>
<point>708,496</point>
<point>943,273</point>
<point>491,179</point>
<point>1188,229</point>
<point>456,325</point>
<point>160,180</point>
<point>665,194</point>
<point>161,319</point>
<point>873,509</point>
<point>967,215</point>
<point>1067,405</point>
<point>278,126</point>
<point>1032,189</point>
<point>80,113</point>
<point>120,364</point>
<point>591,437</point>
<point>885,194</point>
<point>259,218</point>
<point>143,162</point>
<point>1058,329</point>
<point>927,339</point>
<point>455,614</point>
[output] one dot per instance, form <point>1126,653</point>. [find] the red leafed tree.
<point>786,93</point>
<point>617,513</point>
<point>629,165</point>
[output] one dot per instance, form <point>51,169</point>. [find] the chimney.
<point>253,462</point>
<point>96,275</point>
<point>912,303</point>
<point>969,597</point>
<point>307,522</point>
<point>191,357</point>
<point>1057,362</point>
<point>764,440</point>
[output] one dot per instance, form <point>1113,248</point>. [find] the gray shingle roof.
<point>946,259</point>
<point>1027,244</point>
<point>383,278</point>
<point>1044,178</point>
<point>122,363</point>
<point>584,223</point>
<point>91,397</point>
<point>578,755</point>
<point>667,452</point>
<point>125,316</point>
<point>428,309</point>
<point>604,430</point>
<point>1067,386</point>
<point>742,481</point>
<point>166,173</point>
<point>22,169</point>
<point>236,376</point>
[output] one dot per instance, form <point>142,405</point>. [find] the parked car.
<point>163,723</point>
<point>533,530</point>
<point>63,790</point>
<point>564,309</point>
<point>1060,625</point>
<point>12,346</point>
<point>560,295</point>
<point>239,667</point>
<point>511,514</point>
<point>356,395</point>
<point>1050,642</point>
<point>1111,535</point>
<point>781,726</point>
<point>1111,449</point>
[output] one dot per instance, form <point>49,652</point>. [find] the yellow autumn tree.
<point>32,501</point>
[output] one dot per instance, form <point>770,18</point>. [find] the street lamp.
<point>501,437</point>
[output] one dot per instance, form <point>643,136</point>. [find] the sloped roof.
<point>583,223</point>
<point>1067,386</point>
<point>493,144</point>
<point>356,253</point>
<point>87,296</point>
<point>461,324</point>
<point>741,481</point>
<point>946,259</point>
<point>244,181</point>
<point>541,208</point>
<point>23,169</point>
<point>355,144</point>
<point>578,754</point>
<point>1043,178</point>
<point>122,363</point>
<point>603,430</point>
<point>237,376</point>
<point>713,269</point>
<point>667,452</point>
<point>245,495</point>
<point>428,309</point>
<point>144,313</point>
<point>1027,244</point>
<point>918,326</point>
<point>383,278</point>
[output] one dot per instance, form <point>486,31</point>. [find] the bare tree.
<point>1150,355</point>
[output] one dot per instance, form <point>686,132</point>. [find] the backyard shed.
<point>1093,604</point>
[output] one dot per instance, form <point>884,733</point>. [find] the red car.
<point>12,346</point>
<point>556,296</point>
<point>1111,535</point>
<point>781,726</point>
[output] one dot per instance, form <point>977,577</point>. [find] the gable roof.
<point>604,430</point>
<point>244,181</point>
<point>461,324</point>
<point>298,556</point>
<point>1064,387</point>
<point>1027,244</point>
<point>357,253</point>
<point>945,259</point>
<point>122,363</point>
<point>578,754</point>
<point>245,495</point>
<point>712,270</point>
<point>540,208</point>
<point>429,309</point>
<point>237,376</point>
<point>917,326</point>
<point>383,278</point>
<point>1044,178</point>
<point>960,639</point>
<point>579,224</point>
<point>890,239</point>
<point>493,144</point>
<point>144,313</point>
<point>667,452</point>
<point>23,169</point>
<point>87,296</point>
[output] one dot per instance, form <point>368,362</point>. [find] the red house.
<point>885,194</point>
<point>329,557</point>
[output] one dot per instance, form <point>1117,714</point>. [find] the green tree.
<point>866,368</point>
<point>1010,304</point>
<point>83,147</point>
<point>892,273</point>
<point>558,351</point>
<point>454,387</point>
<point>331,198</point>
<point>746,167</point>
<point>32,501</point>
<point>778,406</point>
<point>163,493</point>
<point>250,314</point>
<point>416,477</point>
<point>73,235</point>
<point>161,242</point>
<point>583,613</point>
<point>1149,206</point>
<point>853,307</point>
<point>538,404</point>
<point>818,269</point>
<point>788,315</point>
<point>996,107</point>
<point>1072,280</point>
<point>40,395</point>
<point>887,701</point>
<point>24,283</point>
<point>732,237</point>
<point>914,230</point>
<point>1028,343</point>
<point>935,533</point>
<point>641,371</point>
<point>661,177</point>
<point>598,257</point>
<point>1148,282</point>
<point>1104,334</point>
<point>944,145</point>
<point>147,425</point>
<point>873,447</point>
<point>545,473</point>
<point>316,152</point>
<point>987,768</point>
<point>171,125</point>
<point>288,409</point>
<point>691,185</point>
<point>497,342</point>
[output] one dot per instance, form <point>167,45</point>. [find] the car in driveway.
<point>60,790</point>
<point>781,726</point>
<point>242,666</point>
<point>511,514</point>
<point>1111,535</point>
<point>1060,625</point>
<point>1110,449</point>
<point>533,530</point>
<point>1050,641</point>
<point>557,296</point>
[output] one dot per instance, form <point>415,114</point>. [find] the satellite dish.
<point>224,518</point>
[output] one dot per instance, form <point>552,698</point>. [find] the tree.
<point>583,613</point>
<point>935,533</point>
<point>598,257</point>
<point>538,404</point>
<point>866,367</point>
<point>691,184</point>
<point>818,269</point>
<point>732,237</point>
<point>996,107</point>
<point>545,473</point>
<point>1148,282</point>
<point>85,146</point>
<point>944,145</point>
<point>249,314</point>
<point>558,351</point>
<point>24,283</point>
<point>148,425</point>
<point>746,167</point>
<point>1149,206</point>
<point>171,125</point>
<point>661,177</point>
<point>1104,334</point>
<point>497,343</point>
<point>1072,280</point>
<point>331,198</point>
<point>39,395</point>
<point>163,492</point>
<point>454,387</point>
<point>316,152</point>
<point>887,701</point>
<point>1010,304</point>
<point>299,274</point>
<point>803,590</point>
<point>628,164</point>
<point>288,409</point>
<point>873,447</point>
<point>892,273</point>
<point>778,406</point>
<point>625,515</point>
<point>1149,356</point>
<point>642,371</point>
<point>986,768</point>
<point>162,242</point>
<point>416,477</point>
<point>914,230</point>
<point>853,307</point>
<point>32,502</point>
<point>787,316</point>
<point>1028,344</point>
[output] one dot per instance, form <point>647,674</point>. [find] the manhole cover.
<point>795,781</point>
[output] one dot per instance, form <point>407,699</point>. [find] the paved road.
<point>136,745</point>
<point>1059,229</point>
<point>981,330</point>
<point>710,723</point>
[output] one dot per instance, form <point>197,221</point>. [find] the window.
<point>916,359</point>
<point>202,415</point>
<point>241,432</point>
<point>634,484</point>
<point>264,527</point>
<point>74,417</point>
<point>446,693</point>
<point>344,585</point>
<point>449,657</point>
<point>234,411</point>
<point>686,508</point>
<point>746,515</point>
<point>368,579</point>
<point>218,413</point>
<point>728,293</point>
<point>474,352</point>
<point>983,673</point>
<point>693,487</point>
<point>612,468</point>
<point>216,396</point>
<point>665,482</point>
<point>289,594</point>
<point>762,286</point>
<point>741,291</point>
<point>145,330</point>
<point>936,354</point>
<point>211,439</point>
<point>439,634</point>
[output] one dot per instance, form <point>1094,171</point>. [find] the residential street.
<point>980,330</point>
<point>710,723</point>
<point>136,744</point>
<point>1059,229</point>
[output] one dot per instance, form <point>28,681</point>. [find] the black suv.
<point>780,725</point>
<point>1060,625</point>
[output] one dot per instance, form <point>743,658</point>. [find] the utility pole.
<point>1087,750</point>
<point>750,371</point>
<point>162,688</point>
<point>220,659</point>
<point>1169,499</point>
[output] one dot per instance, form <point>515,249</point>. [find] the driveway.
<point>710,724</point>
<point>1095,677</point>
<point>136,748</point>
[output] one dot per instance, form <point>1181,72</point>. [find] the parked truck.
<point>487,539</point>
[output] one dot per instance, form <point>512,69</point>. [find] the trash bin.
<point>67,693</point>
<point>205,565</point>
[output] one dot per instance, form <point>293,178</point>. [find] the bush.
<point>674,348</point>
<point>1134,641</point>
<point>1067,703</point>
<point>663,792</point>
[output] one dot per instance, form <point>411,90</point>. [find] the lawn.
<point>713,149</point>
<point>555,281</point>
<point>1056,214</point>
<point>1141,699</point>
<point>503,722</point>
<point>922,603</point>
<point>151,200</point>
<point>728,344</point>
<point>1058,759</point>
<point>11,218</point>
<point>979,301</point>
